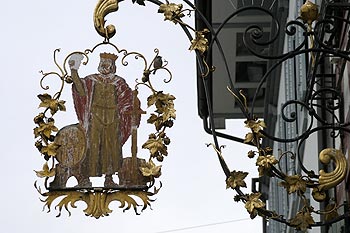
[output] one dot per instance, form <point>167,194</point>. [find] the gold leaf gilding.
<point>98,201</point>
<point>333,178</point>
<point>150,169</point>
<point>236,179</point>
<point>46,172</point>
<point>102,9</point>
<point>255,125</point>
<point>309,12</point>
<point>200,43</point>
<point>45,129</point>
<point>154,145</point>
<point>294,184</point>
<point>53,104</point>
<point>265,163</point>
<point>172,11</point>
<point>253,203</point>
<point>50,149</point>
<point>302,220</point>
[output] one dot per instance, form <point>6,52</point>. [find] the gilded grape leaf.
<point>255,125</point>
<point>253,138</point>
<point>45,129</point>
<point>254,203</point>
<point>151,100</point>
<point>249,137</point>
<point>172,11</point>
<point>154,145</point>
<point>156,120</point>
<point>50,149</point>
<point>46,172</point>
<point>303,220</point>
<point>236,179</point>
<point>294,184</point>
<point>169,113</point>
<point>150,169</point>
<point>160,99</point>
<point>39,118</point>
<point>265,163</point>
<point>53,104</point>
<point>200,43</point>
<point>165,97</point>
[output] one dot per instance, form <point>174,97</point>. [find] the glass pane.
<point>251,71</point>
<point>250,92</point>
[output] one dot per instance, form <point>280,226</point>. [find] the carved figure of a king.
<point>102,102</point>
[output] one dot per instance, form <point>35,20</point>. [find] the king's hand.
<point>75,61</point>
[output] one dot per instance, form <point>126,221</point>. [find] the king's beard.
<point>107,76</point>
<point>106,72</point>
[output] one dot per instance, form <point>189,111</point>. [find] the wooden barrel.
<point>72,143</point>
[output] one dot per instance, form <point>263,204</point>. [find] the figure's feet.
<point>109,183</point>
<point>84,183</point>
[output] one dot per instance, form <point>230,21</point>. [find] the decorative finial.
<point>309,12</point>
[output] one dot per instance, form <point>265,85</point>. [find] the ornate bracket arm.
<point>103,8</point>
<point>331,179</point>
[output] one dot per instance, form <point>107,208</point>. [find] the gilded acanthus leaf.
<point>150,169</point>
<point>50,149</point>
<point>236,179</point>
<point>53,104</point>
<point>303,220</point>
<point>98,202</point>
<point>254,203</point>
<point>265,163</point>
<point>294,184</point>
<point>200,43</point>
<point>172,11</point>
<point>46,172</point>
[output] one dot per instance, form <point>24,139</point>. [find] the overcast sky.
<point>193,198</point>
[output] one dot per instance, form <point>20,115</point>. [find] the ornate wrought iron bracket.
<point>321,105</point>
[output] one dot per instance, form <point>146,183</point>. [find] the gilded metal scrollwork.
<point>97,200</point>
<point>103,8</point>
<point>331,179</point>
<point>308,28</point>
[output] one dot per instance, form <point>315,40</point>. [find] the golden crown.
<point>110,56</point>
